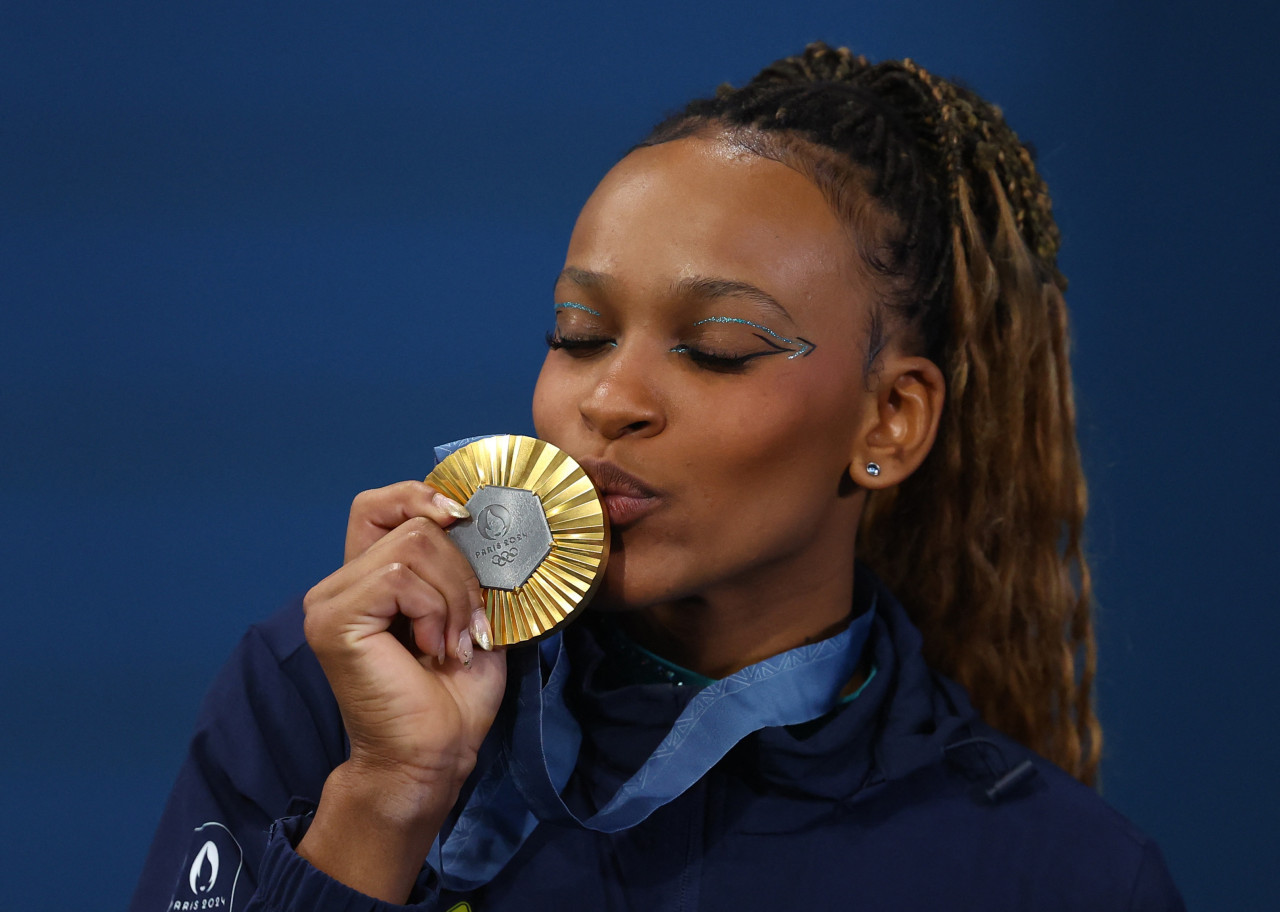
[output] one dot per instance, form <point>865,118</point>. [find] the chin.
<point>614,595</point>
<point>634,585</point>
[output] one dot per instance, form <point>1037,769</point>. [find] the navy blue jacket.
<point>899,799</point>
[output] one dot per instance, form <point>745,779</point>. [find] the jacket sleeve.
<point>288,883</point>
<point>267,735</point>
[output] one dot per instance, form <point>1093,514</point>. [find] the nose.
<point>624,400</point>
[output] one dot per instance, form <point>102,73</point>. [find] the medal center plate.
<point>507,537</point>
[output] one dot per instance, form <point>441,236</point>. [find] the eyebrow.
<point>698,287</point>
<point>584,278</point>
<point>706,289</point>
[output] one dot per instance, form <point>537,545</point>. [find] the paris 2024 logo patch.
<point>210,873</point>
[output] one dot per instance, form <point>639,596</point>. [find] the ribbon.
<point>522,787</point>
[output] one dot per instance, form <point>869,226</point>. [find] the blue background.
<point>257,257</point>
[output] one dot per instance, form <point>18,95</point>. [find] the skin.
<point>746,551</point>
<point>750,549</point>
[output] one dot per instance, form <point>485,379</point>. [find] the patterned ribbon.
<point>523,787</point>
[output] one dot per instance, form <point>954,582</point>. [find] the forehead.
<point>704,208</point>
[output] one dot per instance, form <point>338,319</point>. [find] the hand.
<point>393,630</point>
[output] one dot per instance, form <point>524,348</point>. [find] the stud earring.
<point>872,469</point>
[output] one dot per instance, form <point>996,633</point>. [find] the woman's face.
<point>706,370</point>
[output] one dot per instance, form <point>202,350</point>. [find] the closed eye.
<point>721,362</point>
<point>578,346</point>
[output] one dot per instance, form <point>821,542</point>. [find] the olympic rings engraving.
<point>502,558</point>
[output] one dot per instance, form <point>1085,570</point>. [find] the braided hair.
<point>983,543</point>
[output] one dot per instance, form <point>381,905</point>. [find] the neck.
<point>722,632</point>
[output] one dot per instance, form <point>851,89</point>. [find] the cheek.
<point>549,402</point>
<point>800,426</point>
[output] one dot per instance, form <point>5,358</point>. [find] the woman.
<point>763,311</point>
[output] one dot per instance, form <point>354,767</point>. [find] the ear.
<point>902,425</point>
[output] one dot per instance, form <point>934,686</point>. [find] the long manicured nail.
<point>464,648</point>
<point>480,630</point>
<point>440,651</point>
<point>450,506</point>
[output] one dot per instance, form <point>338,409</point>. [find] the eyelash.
<point>581,347</point>
<point>725,364</point>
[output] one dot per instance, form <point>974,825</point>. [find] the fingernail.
<point>481,631</point>
<point>464,648</point>
<point>440,652</point>
<point>450,506</point>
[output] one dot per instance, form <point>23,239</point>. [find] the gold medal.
<point>538,536</point>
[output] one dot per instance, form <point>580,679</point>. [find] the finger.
<point>421,544</point>
<point>428,614</point>
<point>481,631</point>
<point>427,546</point>
<point>417,540</point>
<point>376,512</point>
<point>369,608</point>
<point>435,557</point>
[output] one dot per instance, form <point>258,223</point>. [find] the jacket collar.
<point>902,721</point>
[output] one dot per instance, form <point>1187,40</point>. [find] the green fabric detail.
<point>669,672</point>
<point>640,666</point>
<point>861,687</point>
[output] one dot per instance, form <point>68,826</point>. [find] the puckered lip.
<point>626,498</point>
<point>612,479</point>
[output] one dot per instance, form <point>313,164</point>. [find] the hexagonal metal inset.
<point>506,538</point>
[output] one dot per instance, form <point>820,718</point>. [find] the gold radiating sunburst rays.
<point>568,576</point>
